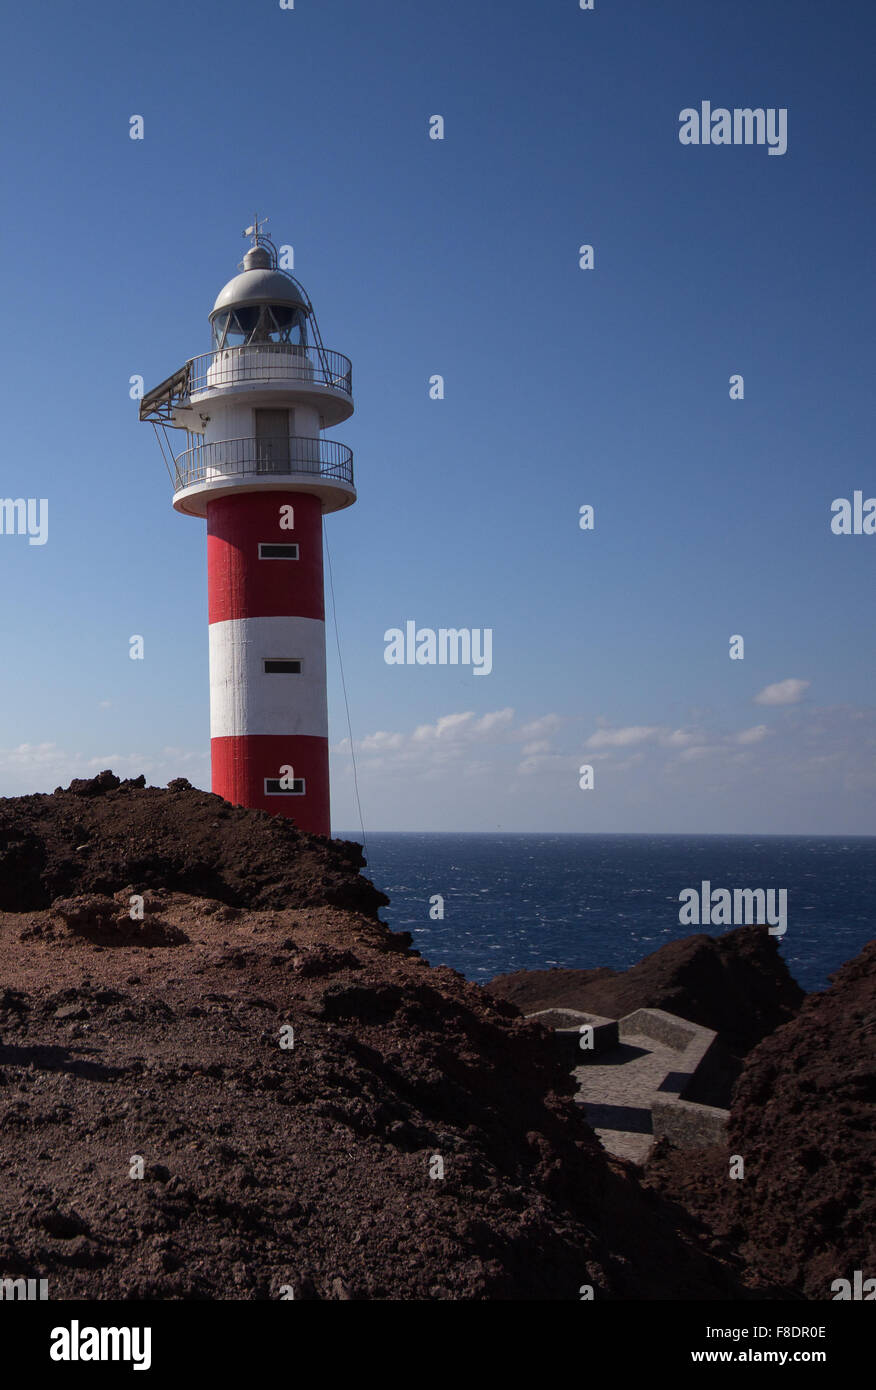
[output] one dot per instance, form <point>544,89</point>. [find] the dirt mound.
<point>802,1120</point>
<point>737,984</point>
<point>310,1108</point>
<point>103,835</point>
<point>228,1100</point>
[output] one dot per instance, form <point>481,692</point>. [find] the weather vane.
<point>255,231</point>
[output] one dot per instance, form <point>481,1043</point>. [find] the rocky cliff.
<point>221,1076</point>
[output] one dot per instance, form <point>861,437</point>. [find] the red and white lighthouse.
<point>257,467</point>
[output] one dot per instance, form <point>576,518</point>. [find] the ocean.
<point>527,902</point>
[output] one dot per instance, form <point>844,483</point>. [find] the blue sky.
<point>563,387</point>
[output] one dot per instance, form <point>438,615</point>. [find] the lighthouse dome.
<point>261,304</point>
<point>260,286</point>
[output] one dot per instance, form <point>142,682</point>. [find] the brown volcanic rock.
<point>302,1166</point>
<point>557,988</point>
<point>101,835</point>
<point>737,984</point>
<point>802,1119</point>
<point>267,1166</point>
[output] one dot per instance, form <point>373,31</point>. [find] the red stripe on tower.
<point>260,472</point>
<point>241,582</point>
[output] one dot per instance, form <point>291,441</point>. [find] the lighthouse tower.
<point>258,469</point>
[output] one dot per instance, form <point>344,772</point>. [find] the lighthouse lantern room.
<point>256,465</point>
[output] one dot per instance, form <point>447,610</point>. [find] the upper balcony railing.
<point>270,362</point>
<point>277,455</point>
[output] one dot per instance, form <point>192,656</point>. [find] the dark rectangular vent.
<point>270,551</point>
<point>273,787</point>
<point>282,667</point>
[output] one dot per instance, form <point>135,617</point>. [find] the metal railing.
<point>279,454</point>
<point>270,362</point>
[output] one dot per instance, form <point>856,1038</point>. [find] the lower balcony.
<point>278,454</point>
<point>321,466</point>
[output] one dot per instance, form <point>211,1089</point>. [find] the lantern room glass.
<point>260,323</point>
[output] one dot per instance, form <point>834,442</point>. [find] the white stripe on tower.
<point>244,700</point>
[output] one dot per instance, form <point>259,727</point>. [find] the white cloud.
<point>470,771</point>
<point>753,735</point>
<point>542,763</point>
<point>500,719</point>
<point>455,728</point>
<point>31,755</point>
<point>704,750</point>
<point>789,692</point>
<point>450,741</point>
<point>378,742</point>
<point>623,738</point>
<point>460,744</point>
<point>547,724</point>
<point>449,726</point>
<point>680,738</point>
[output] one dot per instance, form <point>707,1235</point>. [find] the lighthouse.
<point>257,468</point>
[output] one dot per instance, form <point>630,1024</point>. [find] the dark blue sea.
<point>515,902</point>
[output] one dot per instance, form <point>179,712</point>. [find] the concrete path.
<point>631,1074</point>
